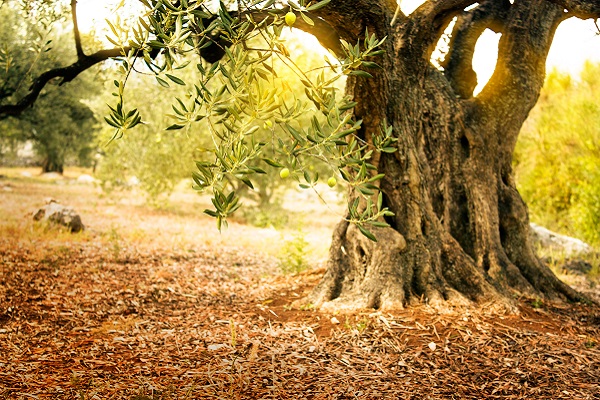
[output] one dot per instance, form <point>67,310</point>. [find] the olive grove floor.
<point>153,304</point>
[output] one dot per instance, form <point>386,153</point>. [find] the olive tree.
<point>434,214</point>
<point>61,126</point>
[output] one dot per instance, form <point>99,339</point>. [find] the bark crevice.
<point>460,233</point>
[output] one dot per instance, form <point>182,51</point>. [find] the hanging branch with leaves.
<point>239,91</point>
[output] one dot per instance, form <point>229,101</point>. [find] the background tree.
<point>156,158</point>
<point>61,125</point>
<point>558,154</point>
<point>450,224</point>
<point>160,159</point>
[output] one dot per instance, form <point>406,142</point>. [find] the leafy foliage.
<point>558,155</point>
<point>61,125</point>
<point>159,159</point>
<point>156,158</point>
<point>293,254</point>
<point>239,91</point>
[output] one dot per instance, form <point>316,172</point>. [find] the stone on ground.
<point>58,214</point>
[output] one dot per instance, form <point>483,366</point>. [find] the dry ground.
<point>151,304</point>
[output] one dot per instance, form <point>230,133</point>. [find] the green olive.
<point>290,18</point>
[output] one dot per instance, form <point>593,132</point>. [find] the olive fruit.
<point>290,18</point>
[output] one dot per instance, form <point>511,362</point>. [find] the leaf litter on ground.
<point>91,318</point>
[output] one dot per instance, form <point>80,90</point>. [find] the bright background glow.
<point>92,14</point>
<point>575,42</point>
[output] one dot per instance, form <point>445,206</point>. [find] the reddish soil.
<point>76,322</point>
<point>129,313</point>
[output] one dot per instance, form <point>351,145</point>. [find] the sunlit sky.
<point>575,42</point>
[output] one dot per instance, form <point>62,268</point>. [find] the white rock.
<point>86,179</point>
<point>569,245</point>
<point>59,214</point>
<point>53,176</point>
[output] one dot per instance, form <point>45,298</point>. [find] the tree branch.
<point>428,22</point>
<point>440,12</point>
<point>66,73</point>
<point>325,34</point>
<point>350,18</point>
<point>522,52</point>
<point>323,31</point>
<point>583,9</point>
<point>458,63</point>
<point>78,47</point>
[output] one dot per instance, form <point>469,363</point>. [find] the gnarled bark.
<point>460,231</point>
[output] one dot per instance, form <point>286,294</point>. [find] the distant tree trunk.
<point>52,164</point>
<point>460,231</point>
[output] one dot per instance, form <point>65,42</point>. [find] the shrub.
<point>558,153</point>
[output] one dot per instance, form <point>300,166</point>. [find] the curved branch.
<point>438,14</point>
<point>321,29</point>
<point>436,9</point>
<point>78,47</point>
<point>325,34</point>
<point>583,9</point>
<point>427,25</point>
<point>458,63</point>
<point>518,78</point>
<point>349,18</point>
<point>66,73</point>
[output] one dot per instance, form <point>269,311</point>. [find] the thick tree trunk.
<point>460,231</point>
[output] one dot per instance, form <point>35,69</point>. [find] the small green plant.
<point>307,307</point>
<point>360,326</point>
<point>537,303</point>
<point>114,238</point>
<point>275,217</point>
<point>293,254</point>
